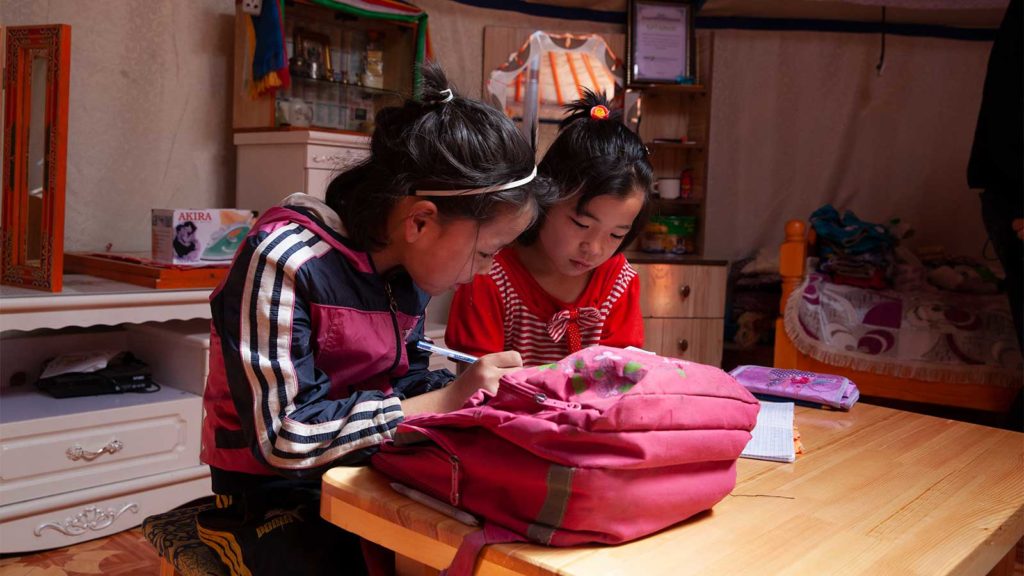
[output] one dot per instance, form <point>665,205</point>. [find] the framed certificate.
<point>661,42</point>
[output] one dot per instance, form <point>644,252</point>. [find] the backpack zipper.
<point>538,396</point>
<point>453,495</point>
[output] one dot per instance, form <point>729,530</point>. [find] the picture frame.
<point>661,42</point>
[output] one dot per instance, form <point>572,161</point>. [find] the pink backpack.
<point>606,446</point>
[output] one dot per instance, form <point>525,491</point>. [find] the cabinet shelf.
<point>685,88</point>
<point>674,122</point>
<point>674,202</point>
<point>366,90</point>
<point>341,34</point>
<point>641,257</point>
<point>691,145</point>
<point>91,301</point>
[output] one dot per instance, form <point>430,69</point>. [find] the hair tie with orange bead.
<point>599,112</point>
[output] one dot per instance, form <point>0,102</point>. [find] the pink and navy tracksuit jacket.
<point>311,351</point>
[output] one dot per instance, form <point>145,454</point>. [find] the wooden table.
<point>879,491</point>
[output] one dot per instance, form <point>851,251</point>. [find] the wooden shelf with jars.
<point>344,62</point>
<point>674,121</point>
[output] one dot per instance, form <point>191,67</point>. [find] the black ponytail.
<point>595,154</point>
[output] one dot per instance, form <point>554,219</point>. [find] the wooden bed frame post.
<point>792,257</point>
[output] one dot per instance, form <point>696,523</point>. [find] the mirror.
<point>34,151</point>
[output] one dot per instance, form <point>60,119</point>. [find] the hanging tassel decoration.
<point>269,57</point>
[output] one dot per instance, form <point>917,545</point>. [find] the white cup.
<point>668,188</point>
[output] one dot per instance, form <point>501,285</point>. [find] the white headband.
<point>474,191</point>
<point>449,97</point>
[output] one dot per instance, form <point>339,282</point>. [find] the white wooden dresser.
<point>74,469</point>
<point>273,164</point>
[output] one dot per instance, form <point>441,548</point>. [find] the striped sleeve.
<point>298,429</point>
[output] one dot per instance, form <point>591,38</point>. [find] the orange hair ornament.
<point>599,112</point>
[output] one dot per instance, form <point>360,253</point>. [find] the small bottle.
<point>373,62</point>
<point>686,183</point>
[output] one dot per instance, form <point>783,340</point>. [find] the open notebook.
<point>772,437</point>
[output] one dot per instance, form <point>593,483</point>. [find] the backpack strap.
<point>469,550</point>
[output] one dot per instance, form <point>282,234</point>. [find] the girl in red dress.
<point>565,285</point>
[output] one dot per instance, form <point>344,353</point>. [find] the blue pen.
<point>457,356</point>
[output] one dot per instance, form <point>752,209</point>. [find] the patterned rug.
<point>125,553</point>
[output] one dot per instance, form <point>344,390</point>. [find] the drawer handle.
<point>684,292</point>
<point>683,344</point>
<point>90,518</point>
<point>76,452</point>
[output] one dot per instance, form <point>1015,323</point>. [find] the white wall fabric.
<point>800,119</point>
<point>150,112</point>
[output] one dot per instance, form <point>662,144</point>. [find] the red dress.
<point>507,309</point>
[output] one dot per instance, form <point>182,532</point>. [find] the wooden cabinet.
<point>274,164</point>
<point>74,469</point>
<point>331,49</point>
<point>683,306</point>
<point>674,121</point>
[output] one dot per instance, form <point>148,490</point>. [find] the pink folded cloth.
<point>808,388</point>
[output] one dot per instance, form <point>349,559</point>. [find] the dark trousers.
<point>276,529</point>
<point>999,207</point>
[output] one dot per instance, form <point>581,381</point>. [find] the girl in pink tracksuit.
<point>313,358</point>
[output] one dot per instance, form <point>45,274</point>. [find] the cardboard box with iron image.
<point>199,237</point>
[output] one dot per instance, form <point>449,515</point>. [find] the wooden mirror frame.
<point>21,42</point>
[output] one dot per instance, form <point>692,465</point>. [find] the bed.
<point>938,348</point>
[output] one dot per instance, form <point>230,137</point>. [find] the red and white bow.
<point>573,322</point>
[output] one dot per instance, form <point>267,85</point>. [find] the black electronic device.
<point>124,373</point>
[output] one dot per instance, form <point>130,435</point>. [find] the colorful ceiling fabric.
<point>551,70</point>
<point>933,15</point>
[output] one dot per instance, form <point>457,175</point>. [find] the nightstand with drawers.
<point>683,305</point>
<point>75,469</point>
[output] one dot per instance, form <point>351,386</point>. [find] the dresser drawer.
<point>682,291</point>
<point>61,445</point>
<point>73,517</point>
<point>696,340</point>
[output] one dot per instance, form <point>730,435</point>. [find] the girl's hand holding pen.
<point>484,373</point>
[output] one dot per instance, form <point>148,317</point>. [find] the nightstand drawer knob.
<point>684,292</point>
<point>76,452</point>
<point>683,344</point>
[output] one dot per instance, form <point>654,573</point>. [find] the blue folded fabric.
<point>848,233</point>
<point>269,54</point>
